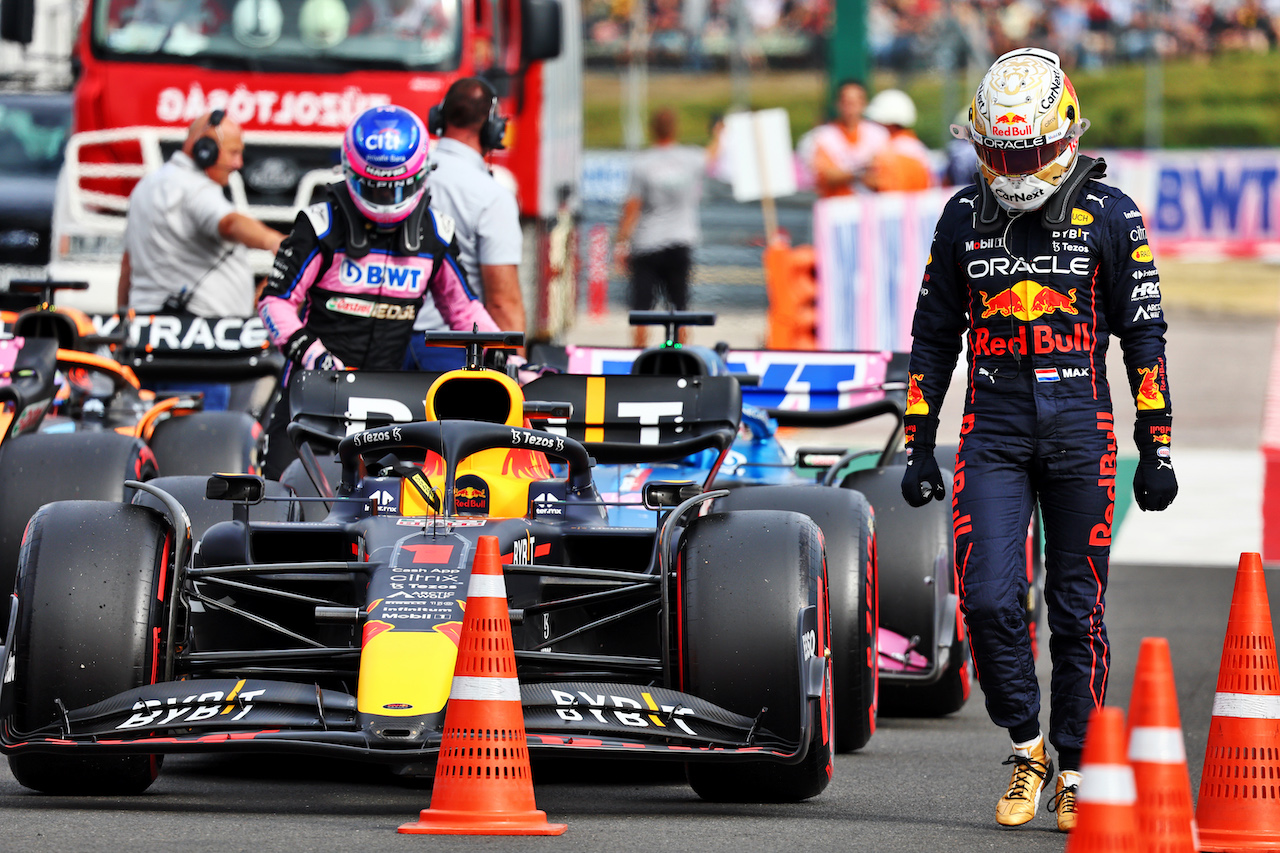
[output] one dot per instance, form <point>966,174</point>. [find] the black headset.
<point>204,152</point>
<point>491,132</point>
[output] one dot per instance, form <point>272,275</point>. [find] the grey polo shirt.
<point>667,179</point>
<point>485,212</point>
<point>173,243</point>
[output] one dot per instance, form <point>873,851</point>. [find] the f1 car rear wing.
<point>786,384</point>
<point>633,419</point>
<point>344,402</point>
<point>183,346</point>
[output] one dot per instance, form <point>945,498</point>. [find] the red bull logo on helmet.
<point>1010,124</point>
<point>1027,300</point>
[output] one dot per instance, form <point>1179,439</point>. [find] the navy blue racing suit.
<point>1038,296</point>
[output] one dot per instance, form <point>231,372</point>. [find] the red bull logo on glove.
<point>1028,300</point>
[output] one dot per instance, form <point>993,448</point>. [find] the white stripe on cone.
<point>483,689</point>
<point>1157,745</point>
<point>486,586</point>
<point>1246,706</point>
<point>1107,784</point>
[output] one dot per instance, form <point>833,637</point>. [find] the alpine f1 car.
<point>701,637</point>
<point>77,423</point>
<point>923,657</point>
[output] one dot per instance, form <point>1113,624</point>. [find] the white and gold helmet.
<point>1025,124</point>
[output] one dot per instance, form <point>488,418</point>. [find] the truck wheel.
<point>848,530</point>
<point>916,576</point>
<point>207,443</point>
<point>81,558</point>
<point>37,469</point>
<point>745,579</point>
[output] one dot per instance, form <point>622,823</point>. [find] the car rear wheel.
<point>207,443</point>
<point>848,530</point>
<point>746,579</point>
<point>916,577</point>
<point>89,612</point>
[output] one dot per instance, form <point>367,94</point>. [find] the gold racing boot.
<point>1032,770</point>
<point>1063,800</point>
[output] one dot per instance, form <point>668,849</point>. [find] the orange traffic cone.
<point>483,785</point>
<point>1105,804</point>
<point>1239,804</point>
<point>1158,755</point>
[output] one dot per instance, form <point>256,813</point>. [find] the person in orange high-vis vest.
<point>903,164</point>
<point>842,150</point>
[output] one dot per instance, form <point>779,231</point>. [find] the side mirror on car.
<point>669,494</point>
<point>239,488</point>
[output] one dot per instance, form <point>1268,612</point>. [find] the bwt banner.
<point>872,249</point>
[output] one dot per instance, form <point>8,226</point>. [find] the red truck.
<point>293,73</point>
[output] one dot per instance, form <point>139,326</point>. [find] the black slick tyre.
<point>37,469</point>
<point>88,605</point>
<point>207,443</point>
<point>848,530</point>
<point>745,579</point>
<point>916,574</point>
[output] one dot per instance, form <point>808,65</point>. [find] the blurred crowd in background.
<point>922,35</point>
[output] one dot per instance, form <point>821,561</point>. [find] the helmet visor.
<point>383,192</point>
<point>1019,161</point>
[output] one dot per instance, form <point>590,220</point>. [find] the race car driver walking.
<point>1039,263</point>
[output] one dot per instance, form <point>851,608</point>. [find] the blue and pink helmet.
<point>384,160</point>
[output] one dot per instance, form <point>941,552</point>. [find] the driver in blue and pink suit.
<point>350,278</point>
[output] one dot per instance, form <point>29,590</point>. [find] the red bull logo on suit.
<point>1028,300</point>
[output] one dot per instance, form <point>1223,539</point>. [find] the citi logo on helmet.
<point>384,139</point>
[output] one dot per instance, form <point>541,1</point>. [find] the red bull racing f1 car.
<point>702,636</point>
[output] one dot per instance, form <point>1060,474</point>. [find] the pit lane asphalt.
<point>919,785</point>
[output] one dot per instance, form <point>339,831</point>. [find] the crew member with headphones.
<point>469,126</point>
<point>185,244</point>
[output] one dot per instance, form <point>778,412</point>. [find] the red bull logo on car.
<point>1028,300</point>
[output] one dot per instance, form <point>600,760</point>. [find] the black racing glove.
<point>922,481</point>
<point>1154,483</point>
<point>309,352</point>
